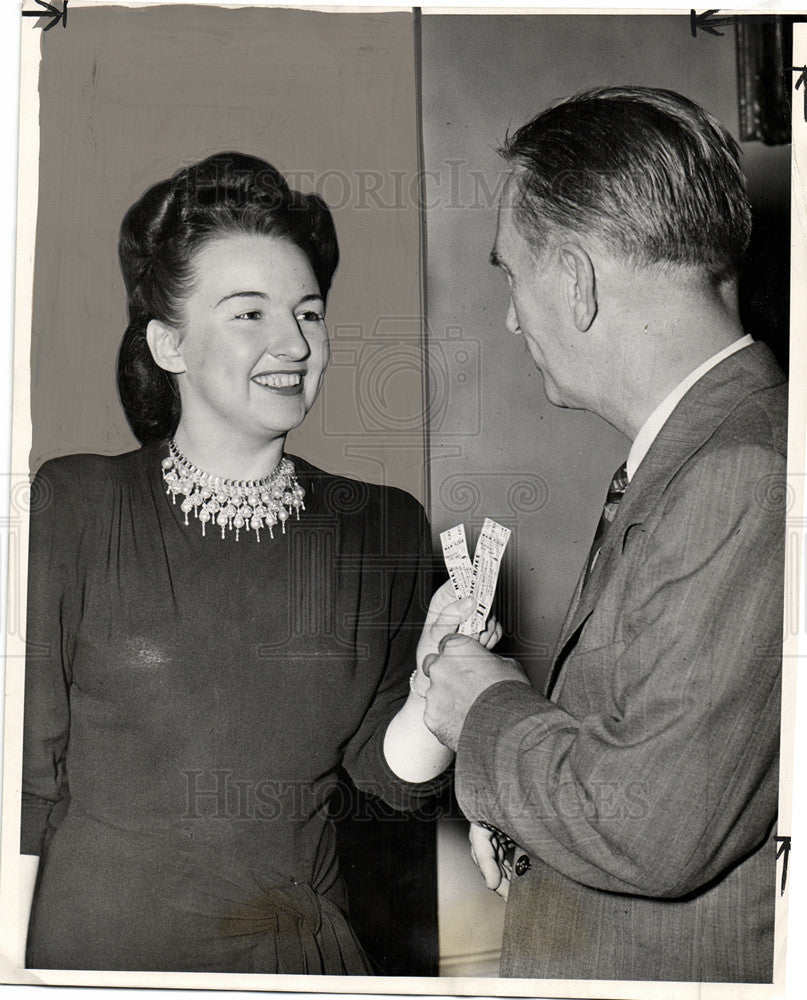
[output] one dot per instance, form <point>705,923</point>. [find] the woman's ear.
<point>581,286</point>
<point>163,341</point>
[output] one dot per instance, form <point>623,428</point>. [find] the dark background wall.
<point>130,94</point>
<point>498,447</point>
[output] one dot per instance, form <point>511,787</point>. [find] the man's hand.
<point>444,617</point>
<point>489,857</point>
<point>459,672</point>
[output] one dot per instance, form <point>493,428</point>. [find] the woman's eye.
<point>252,314</point>
<point>311,316</point>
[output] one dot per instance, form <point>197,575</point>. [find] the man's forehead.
<point>508,196</point>
<point>505,222</point>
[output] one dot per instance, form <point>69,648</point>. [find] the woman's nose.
<point>286,340</point>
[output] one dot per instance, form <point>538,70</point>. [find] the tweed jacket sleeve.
<point>655,770</point>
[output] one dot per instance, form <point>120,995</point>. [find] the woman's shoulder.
<point>343,495</point>
<point>88,473</point>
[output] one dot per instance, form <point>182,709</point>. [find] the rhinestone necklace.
<point>233,505</point>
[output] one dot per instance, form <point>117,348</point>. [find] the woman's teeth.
<point>279,380</point>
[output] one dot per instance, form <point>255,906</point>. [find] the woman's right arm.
<point>412,751</point>
<point>52,558</point>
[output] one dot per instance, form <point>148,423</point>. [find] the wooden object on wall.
<point>764,51</point>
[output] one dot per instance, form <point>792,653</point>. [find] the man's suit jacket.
<point>643,790</point>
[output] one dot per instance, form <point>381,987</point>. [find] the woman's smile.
<point>285,383</point>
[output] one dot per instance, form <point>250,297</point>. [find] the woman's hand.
<point>489,857</point>
<point>412,751</point>
<point>444,617</point>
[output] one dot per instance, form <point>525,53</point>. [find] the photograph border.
<point>793,721</point>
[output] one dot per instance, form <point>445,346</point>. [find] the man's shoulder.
<point>759,419</point>
<point>746,453</point>
<point>740,404</point>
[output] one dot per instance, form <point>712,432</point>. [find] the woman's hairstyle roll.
<point>225,194</point>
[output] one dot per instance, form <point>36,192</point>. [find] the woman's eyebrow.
<point>263,295</point>
<point>236,295</point>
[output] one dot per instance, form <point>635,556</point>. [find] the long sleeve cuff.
<point>405,796</point>
<point>34,824</point>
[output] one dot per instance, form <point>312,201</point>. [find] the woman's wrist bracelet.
<point>414,674</point>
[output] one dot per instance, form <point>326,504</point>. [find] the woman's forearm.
<point>412,751</point>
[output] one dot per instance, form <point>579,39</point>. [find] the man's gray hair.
<point>646,171</point>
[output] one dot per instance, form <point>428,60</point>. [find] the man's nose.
<point>512,320</point>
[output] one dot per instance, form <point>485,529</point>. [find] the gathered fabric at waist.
<point>108,899</point>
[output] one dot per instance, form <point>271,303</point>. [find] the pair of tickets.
<point>477,579</point>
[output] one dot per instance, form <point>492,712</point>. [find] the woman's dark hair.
<point>225,194</point>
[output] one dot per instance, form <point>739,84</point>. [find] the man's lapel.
<point>702,410</point>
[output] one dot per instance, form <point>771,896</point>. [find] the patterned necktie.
<point>617,488</point>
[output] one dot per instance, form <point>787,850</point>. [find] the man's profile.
<point>641,787</point>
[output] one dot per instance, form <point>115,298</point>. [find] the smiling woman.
<point>198,690</point>
<point>248,353</point>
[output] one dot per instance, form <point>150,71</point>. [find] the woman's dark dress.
<point>188,702</point>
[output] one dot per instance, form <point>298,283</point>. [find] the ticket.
<point>458,563</point>
<point>487,560</point>
<point>478,579</point>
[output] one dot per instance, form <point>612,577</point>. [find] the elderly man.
<point>641,787</point>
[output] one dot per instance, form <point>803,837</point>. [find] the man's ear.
<point>163,341</point>
<point>581,286</point>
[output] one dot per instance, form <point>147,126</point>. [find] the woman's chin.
<point>278,424</point>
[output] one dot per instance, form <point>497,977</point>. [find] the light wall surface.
<point>499,448</point>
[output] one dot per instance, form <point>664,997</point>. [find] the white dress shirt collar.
<point>650,428</point>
